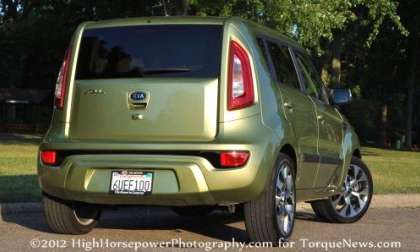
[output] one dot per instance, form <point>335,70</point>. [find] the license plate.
<point>131,182</point>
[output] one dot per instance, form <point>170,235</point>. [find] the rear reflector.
<point>49,157</point>
<point>233,158</point>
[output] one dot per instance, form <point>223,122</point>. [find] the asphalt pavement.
<point>140,228</point>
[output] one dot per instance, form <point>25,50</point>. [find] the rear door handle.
<point>288,105</point>
<point>321,119</point>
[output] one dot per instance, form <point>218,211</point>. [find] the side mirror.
<point>340,96</point>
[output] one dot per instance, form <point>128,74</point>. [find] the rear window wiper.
<point>152,71</point>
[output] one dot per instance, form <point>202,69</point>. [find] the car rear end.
<point>158,111</point>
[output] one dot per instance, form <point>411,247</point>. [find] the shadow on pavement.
<point>216,225</point>
<point>307,216</point>
<point>31,220</point>
<point>19,188</point>
<point>219,225</point>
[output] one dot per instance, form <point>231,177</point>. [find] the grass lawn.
<point>18,181</point>
<point>393,171</point>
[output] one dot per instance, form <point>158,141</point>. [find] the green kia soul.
<point>194,114</point>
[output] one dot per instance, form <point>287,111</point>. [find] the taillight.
<point>49,157</point>
<point>62,81</point>
<point>240,81</point>
<point>233,158</point>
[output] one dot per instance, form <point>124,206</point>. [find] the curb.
<point>378,201</point>
<point>396,201</point>
<point>383,201</point>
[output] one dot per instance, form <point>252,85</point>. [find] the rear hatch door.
<point>147,83</point>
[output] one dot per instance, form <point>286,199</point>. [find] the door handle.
<point>288,105</point>
<point>320,119</point>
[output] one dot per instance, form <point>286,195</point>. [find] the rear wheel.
<point>271,217</point>
<point>354,200</point>
<point>66,217</point>
<point>193,210</point>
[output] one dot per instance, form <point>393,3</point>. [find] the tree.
<point>175,7</point>
<point>360,44</point>
<point>310,22</point>
<point>9,9</point>
<point>411,10</point>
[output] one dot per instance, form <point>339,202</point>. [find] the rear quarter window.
<point>150,51</point>
<point>283,65</point>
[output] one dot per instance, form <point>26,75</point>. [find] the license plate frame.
<point>131,183</point>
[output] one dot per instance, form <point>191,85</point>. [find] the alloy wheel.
<point>355,193</point>
<point>85,215</point>
<point>285,199</point>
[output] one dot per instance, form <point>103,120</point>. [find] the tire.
<point>271,217</point>
<point>193,210</point>
<point>65,217</point>
<point>352,203</point>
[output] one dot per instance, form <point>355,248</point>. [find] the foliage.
<point>310,22</point>
<point>360,44</point>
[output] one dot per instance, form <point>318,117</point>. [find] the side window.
<point>311,79</point>
<point>283,65</point>
<point>261,45</point>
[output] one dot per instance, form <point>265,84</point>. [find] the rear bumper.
<point>178,180</point>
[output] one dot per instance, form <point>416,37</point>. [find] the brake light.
<point>49,157</point>
<point>233,158</point>
<point>62,81</point>
<point>240,81</point>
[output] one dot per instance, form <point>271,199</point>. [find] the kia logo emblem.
<point>138,96</point>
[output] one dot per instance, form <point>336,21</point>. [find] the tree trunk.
<point>325,68</point>
<point>331,62</point>
<point>10,9</point>
<point>411,81</point>
<point>383,136</point>
<point>337,49</point>
<point>410,100</point>
<point>182,7</point>
<point>165,8</point>
<point>175,7</point>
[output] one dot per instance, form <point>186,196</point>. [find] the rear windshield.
<point>150,51</point>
